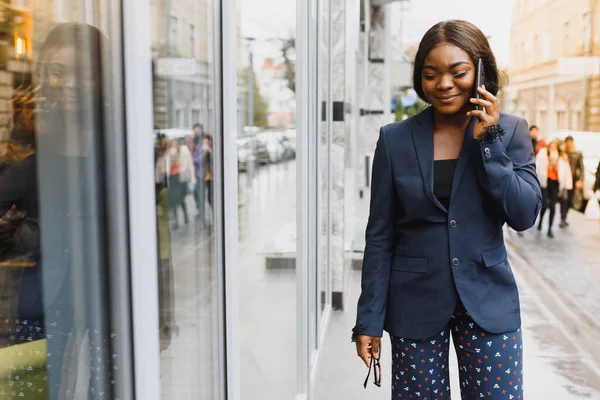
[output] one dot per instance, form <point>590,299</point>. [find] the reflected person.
<point>444,183</point>
<point>199,169</point>
<point>71,126</point>
<point>21,302</point>
<point>208,168</point>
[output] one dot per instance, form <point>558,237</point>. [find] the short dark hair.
<point>198,125</point>
<point>532,127</point>
<point>465,36</point>
<point>569,138</point>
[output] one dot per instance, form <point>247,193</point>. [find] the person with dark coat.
<point>435,266</point>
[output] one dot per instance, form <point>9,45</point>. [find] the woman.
<point>444,183</point>
<point>181,175</point>
<point>554,173</point>
<point>72,132</point>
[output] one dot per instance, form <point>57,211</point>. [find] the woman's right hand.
<point>366,347</point>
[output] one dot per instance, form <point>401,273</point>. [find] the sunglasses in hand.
<point>376,366</point>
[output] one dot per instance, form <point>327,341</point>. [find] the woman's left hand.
<point>487,117</point>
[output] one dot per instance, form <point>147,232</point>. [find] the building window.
<point>543,122</point>
<point>561,119</point>
<point>575,120</point>
<point>172,35</point>
<point>179,118</point>
<point>192,41</point>
<point>536,50</point>
<point>195,116</point>
<point>546,46</point>
<point>523,55</point>
<point>566,38</point>
<point>587,36</point>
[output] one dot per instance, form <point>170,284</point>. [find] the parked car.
<point>175,133</point>
<point>589,145</point>
<point>274,147</point>
<point>288,140</point>
<point>247,146</point>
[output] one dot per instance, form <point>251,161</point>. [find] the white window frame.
<point>137,58</point>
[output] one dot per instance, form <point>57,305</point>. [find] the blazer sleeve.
<point>508,175</point>
<point>380,243</point>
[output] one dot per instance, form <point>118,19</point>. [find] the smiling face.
<point>68,77</point>
<point>447,79</point>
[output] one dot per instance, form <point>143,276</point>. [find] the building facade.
<point>280,98</point>
<point>554,68</point>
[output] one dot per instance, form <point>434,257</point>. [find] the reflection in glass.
<point>183,170</point>
<point>267,201</point>
<point>55,327</point>
<point>70,128</point>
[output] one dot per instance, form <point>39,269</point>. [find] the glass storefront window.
<point>267,210</point>
<point>184,177</point>
<point>58,337</point>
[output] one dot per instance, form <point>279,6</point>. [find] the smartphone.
<point>479,81</point>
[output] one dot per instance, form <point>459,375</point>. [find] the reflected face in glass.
<point>67,77</point>
<point>447,78</point>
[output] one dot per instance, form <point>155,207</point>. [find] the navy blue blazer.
<point>420,257</point>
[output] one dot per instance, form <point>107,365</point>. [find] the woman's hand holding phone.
<point>488,116</point>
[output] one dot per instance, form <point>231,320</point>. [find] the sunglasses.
<point>376,366</point>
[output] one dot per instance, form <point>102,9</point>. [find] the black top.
<point>443,174</point>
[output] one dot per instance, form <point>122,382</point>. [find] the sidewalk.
<point>556,366</point>
<point>571,260</point>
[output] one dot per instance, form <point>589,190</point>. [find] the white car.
<point>274,146</point>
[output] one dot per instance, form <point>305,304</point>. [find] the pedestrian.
<point>575,158</point>
<point>444,183</point>
<point>208,177</point>
<point>556,179</point>
<point>597,184</point>
<point>181,175</point>
<point>199,164</point>
<point>537,140</point>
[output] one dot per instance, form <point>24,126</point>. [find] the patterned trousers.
<point>490,366</point>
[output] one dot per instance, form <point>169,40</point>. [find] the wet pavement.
<point>556,279</point>
<point>566,272</point>
<point>267,326</point>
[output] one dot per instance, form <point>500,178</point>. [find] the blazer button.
<point>453,224</point>
<point>455,262</point>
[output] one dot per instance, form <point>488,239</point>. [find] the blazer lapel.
<point>423,140</point>
<point>464,157</point>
